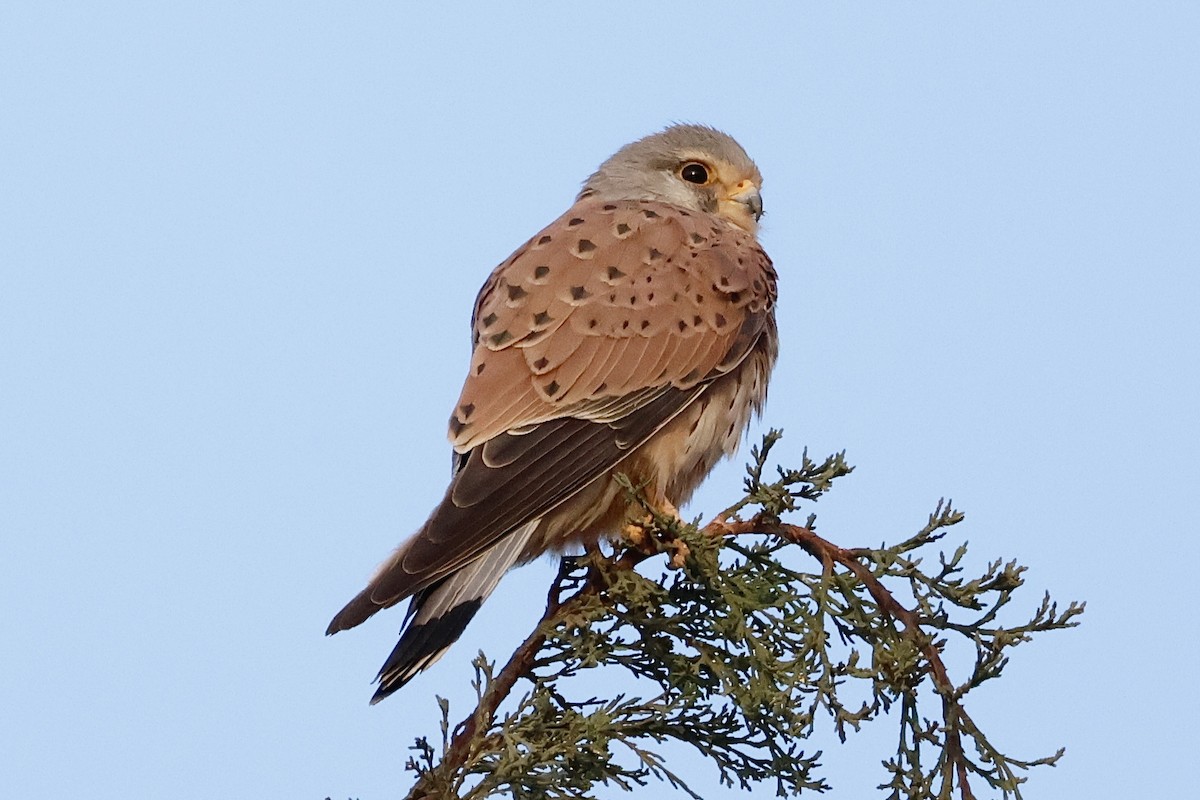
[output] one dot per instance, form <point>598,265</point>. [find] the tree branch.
<point>829,553</point>
<point>740,654</point>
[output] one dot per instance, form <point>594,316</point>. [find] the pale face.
<point>690,166</point>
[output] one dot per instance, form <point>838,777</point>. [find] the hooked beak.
<point>743,206</point>
<point>749,196</point>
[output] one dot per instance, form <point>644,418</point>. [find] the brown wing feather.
<point>498,489</point>
<point>588,340</point>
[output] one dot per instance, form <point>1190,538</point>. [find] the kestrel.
<point>634,334</point>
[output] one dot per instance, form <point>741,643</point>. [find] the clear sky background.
<point>238,250</point>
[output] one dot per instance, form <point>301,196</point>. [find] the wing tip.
<point>355,613</point>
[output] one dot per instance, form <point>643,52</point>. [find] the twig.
<point>828,553</point>
<point>465,739</point>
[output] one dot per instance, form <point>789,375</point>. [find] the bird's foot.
<point>641,535</point>
<point>679,553</point>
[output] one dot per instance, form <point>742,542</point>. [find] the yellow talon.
<point>680,553</point>
<point>635,533</point>
<point>638,534</point>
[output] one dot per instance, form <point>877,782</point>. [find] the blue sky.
<point>238,248</point>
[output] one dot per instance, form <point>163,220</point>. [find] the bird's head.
<point>691,166</point>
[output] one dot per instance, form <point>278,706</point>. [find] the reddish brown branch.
<point>466,734</point>
<point>467,737</point>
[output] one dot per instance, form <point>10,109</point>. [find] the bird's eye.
<point>694,173</point>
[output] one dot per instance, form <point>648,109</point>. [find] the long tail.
<point>439,614</point>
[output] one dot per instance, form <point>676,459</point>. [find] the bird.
<point>634,334</point>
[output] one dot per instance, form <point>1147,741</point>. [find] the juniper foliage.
<point>745,657</point>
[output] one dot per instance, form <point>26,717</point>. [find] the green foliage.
<point>743,657</point>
